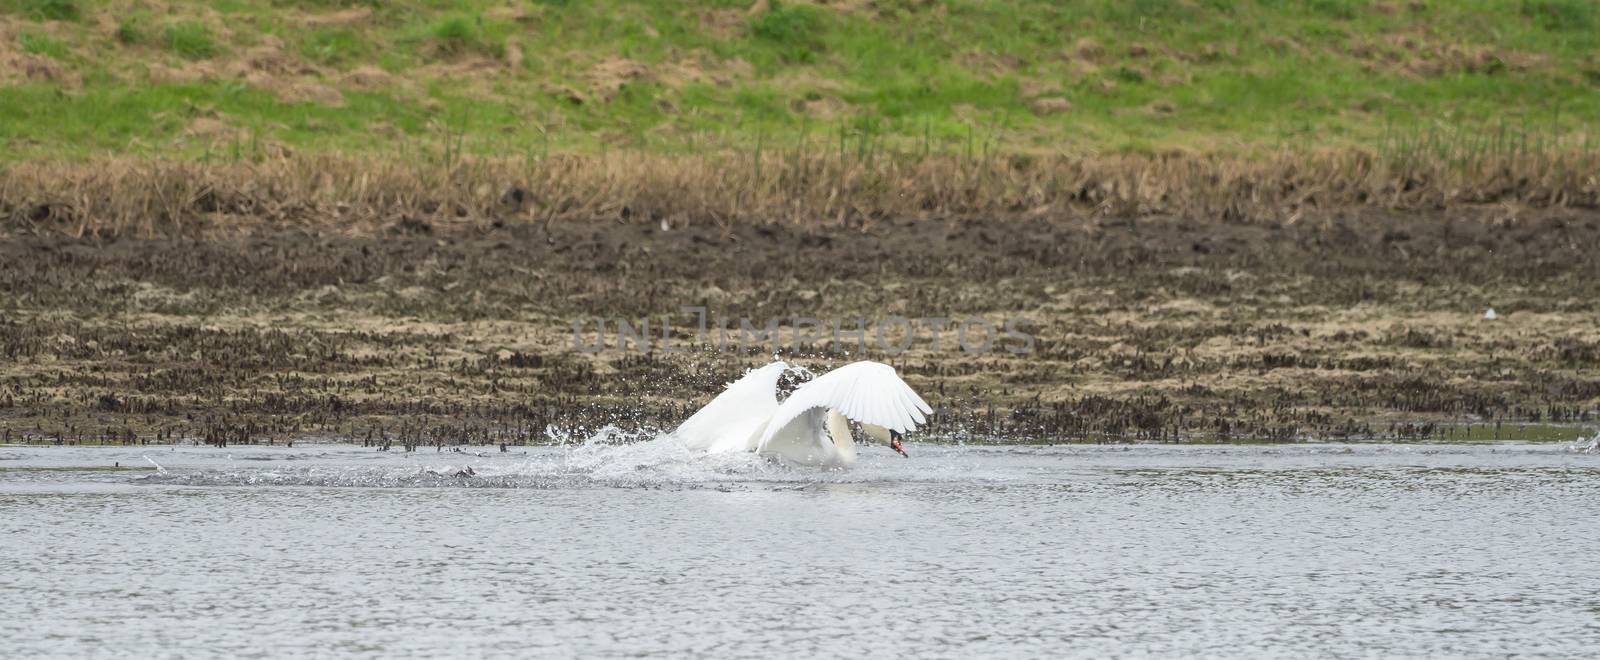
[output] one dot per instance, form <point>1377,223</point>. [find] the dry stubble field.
<point>1343,324</point>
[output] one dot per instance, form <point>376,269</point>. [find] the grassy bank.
<point>1220,219</point>
<point>89,78</point>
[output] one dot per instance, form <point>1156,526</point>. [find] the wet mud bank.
<point>1366,324</point>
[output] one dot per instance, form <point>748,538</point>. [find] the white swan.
<point>809,427</point>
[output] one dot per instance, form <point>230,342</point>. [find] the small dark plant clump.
<point>793,29</point>
<point>459,34</point>
<point>130,32</point>
<point>1563,15</point>
<point>50,10</point>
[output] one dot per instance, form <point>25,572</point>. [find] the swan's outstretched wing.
<point>867,392</point>
<point>734,420</point>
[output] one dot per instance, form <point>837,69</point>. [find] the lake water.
<point>628,549</point>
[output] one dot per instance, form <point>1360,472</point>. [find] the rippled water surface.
<point>642,548</point>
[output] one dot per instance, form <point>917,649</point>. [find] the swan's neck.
<point>839,430</point>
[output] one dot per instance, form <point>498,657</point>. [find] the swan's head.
<point>886,436</point>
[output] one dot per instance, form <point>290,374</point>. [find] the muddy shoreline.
<point>1357,325</point>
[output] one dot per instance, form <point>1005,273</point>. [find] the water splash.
<point>611,457</point>
<point>1588,446</point>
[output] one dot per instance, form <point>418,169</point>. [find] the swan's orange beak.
<point>895,445</point>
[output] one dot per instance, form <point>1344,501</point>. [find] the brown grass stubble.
<point>147,198</point>
<point>329,318</point>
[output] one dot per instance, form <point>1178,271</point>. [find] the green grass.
<point>131,30</point>
<point>332,46</point>
<point>461,34</point>
<point>794,31</point>
<point>911,75</point>
<point>1563,15</point>
<point>49,10</point>
<point>39,44</point>
<point>189,40</point>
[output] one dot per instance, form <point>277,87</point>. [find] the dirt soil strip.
<point>1366,325</point>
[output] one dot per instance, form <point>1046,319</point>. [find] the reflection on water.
<point>617,549</point>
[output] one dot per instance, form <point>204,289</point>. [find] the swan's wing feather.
<point>913,406</point>
<point>866,392</point>
<point>734,420</point>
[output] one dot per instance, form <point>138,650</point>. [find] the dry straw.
<point>357,195</point>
